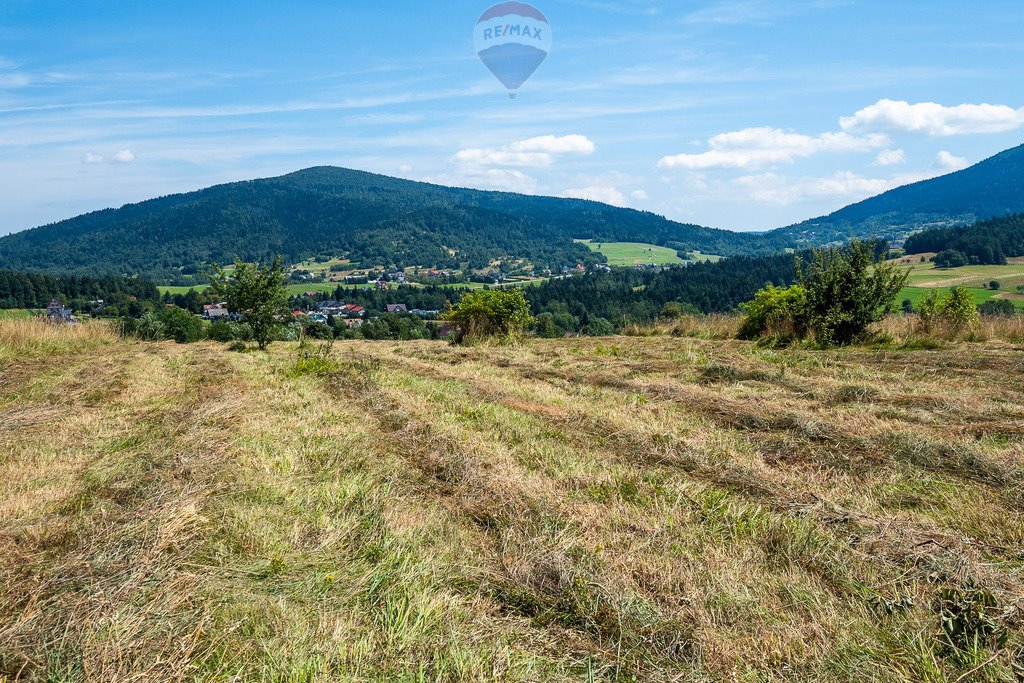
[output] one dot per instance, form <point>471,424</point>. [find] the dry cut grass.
<point>649,509</point>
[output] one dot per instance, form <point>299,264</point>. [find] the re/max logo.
<point>512,30</point>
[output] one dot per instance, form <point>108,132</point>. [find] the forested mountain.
<point>990,189</point>
<point>372,219</point>
<point>986,243</point>
<point>35,290</point>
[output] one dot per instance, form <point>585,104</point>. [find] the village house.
<point>216,311</point>
<point>59,314</point>
<point>397,308</point>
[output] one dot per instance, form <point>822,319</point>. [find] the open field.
<point>12,313</point>
<point>650,509</point>
<point>925,276</point>
<point>635,253</point>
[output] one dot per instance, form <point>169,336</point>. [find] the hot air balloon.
<point>512,39</point>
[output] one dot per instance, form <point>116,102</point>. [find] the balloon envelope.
<point>512,39</point>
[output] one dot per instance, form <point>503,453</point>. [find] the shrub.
<point>488,314</point>
<point>928,311</point>
<point>995,284</point>
<point>150,327</point>
<point>776,313</point>
<point>958,309</point>
<point>841,292</point>
<point>847,291</point>
<point>997,308</point>
<point>181,326</point>
<point>599,327</point>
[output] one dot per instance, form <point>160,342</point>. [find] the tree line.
<point>36,290</point>
<point>986,243</point>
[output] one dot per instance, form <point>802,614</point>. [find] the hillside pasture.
<point>634,253</point>
<point>621,509</point>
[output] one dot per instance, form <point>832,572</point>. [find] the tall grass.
<point>36,337</point>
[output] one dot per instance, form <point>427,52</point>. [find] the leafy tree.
<point>257,293</point>
<point>847,291</point>
<point>488,314</point>
<point>907,306</point>
<point>950,258</point>
<point>995,284</point>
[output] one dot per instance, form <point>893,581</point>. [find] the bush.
<point>777,314</point>
<point>599,327</point>
<point>958,309</point>
<point>995,284</point>
<point>841,292</point>
<point>229,331</point>
<point>488,314</point>
<point>847,291</point>
<point>181,326</point>
<point>150,327</point>
<point>950,258</point>
<point>997,308</point>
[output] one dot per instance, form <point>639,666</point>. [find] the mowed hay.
<point>653,509</point>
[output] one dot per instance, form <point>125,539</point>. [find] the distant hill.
<point>371,219</point>
<point>990,189</point>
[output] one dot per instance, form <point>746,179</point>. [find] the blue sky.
<point>739,114</point>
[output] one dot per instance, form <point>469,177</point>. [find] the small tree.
<point>959,310</point>
<point>488,314</point>
<point>995,284</point>
<point>928,310</point>
<point>257,293</point>
<point>847,291</point>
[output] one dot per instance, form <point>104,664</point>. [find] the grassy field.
<point>658,509</point>
<point>925,276</point>
<point>13,313</point>
<point>635,253</point>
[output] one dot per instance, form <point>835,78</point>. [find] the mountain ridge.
<point>370,218</point>
<point>992,188</point>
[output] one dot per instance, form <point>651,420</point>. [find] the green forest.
<point>988,243</point>
<point>372,220</point>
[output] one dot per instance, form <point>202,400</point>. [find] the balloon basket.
<point>513,95</point>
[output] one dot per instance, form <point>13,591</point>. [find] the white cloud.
<point>503,157</point>
<point>949,162</point>
<point>549,144</point>
<point>405,168</point>
<point>890,157</point>
<point>92,158</point>
<point>756,147</point>
<point>597,193</point>
<point>125,156</point>
<point>929,118</point>
<point>640,195</point>
<point>771,188</point>
<point>538,152</point>
<point>506,180</point>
